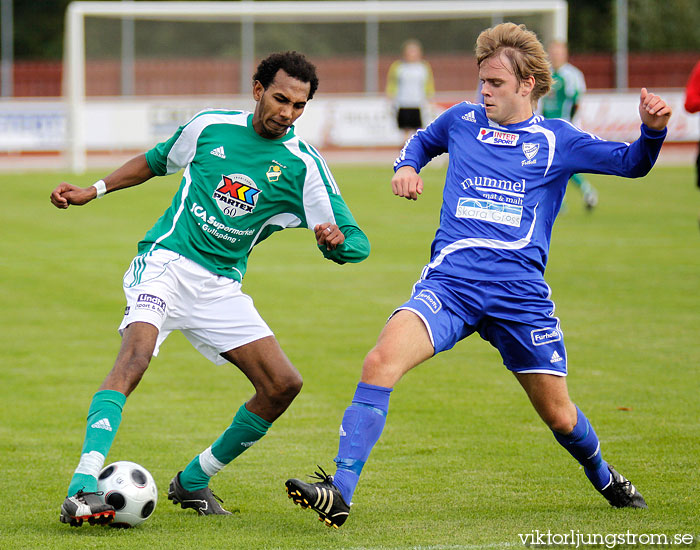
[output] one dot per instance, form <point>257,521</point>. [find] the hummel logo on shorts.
<point>102,425</point>
<point>219,152</point>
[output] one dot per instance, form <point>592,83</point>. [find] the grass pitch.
<point>463,463</point>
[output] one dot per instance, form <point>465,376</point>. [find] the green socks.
<point>104,417</point>
<point>245,430</point>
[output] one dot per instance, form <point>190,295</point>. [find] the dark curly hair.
<point>292,63</point>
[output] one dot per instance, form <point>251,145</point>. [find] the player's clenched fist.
<point>66,194</point>
<point>653,110</point>
<point>407,183</point>
<point>329,235</point>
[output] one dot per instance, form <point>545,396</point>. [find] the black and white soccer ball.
<point>130,489</point>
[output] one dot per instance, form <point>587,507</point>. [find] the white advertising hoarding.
<point>134,124</point>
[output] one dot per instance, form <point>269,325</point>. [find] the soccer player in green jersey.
<point>568,85</point>
<point>246,175</point>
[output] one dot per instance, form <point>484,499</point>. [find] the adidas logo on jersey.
<point>219,152</point>
<point>556,357</point>
<point>469,117</point>
<point>102,424</point>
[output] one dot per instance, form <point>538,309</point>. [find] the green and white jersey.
<point>238,188</point>
<point>568,85</point>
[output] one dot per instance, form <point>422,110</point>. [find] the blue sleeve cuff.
<point>407,163</point>
<point>653,134</point>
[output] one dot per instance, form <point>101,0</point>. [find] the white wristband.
<point>101,188</point>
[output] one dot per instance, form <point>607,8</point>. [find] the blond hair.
<point>522,48</point>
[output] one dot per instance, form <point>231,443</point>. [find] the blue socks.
<point>364,421</point>
<point>360,429</point>
<point>584,446</point>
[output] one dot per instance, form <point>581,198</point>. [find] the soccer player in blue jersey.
<point>507,174</point>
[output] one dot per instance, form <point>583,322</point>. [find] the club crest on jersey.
<point>530,150</point>
<point>497,137</point>
<point>236,195</point>
<point>273,173</point>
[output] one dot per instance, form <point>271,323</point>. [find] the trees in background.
<point>654,26</point>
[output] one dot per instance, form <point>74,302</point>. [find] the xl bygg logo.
<point>236,195</point>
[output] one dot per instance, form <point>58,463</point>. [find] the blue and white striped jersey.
<point>505,185</point>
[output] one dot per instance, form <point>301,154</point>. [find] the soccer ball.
<point>130,489</point>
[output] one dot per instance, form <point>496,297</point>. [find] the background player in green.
<point>246,175</point>
<point>568,85</point>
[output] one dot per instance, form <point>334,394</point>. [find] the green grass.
<point>464,462</point>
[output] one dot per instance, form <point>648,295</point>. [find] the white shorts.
<point>171,292</point>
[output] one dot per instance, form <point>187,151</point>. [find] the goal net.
<point>191,53</point>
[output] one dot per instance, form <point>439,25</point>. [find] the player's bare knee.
<point>281,391</point>
<point>559,422</point>
<point>375,362</point>
<point>380,369</point>
<point>292,386</point>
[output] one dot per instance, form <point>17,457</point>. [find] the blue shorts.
<point>515,317</point>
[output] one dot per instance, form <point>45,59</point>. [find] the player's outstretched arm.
<point>407,183</point>
<point>132,172</point>
<point>653,110</point>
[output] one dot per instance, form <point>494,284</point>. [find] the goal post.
<point>248,13</point>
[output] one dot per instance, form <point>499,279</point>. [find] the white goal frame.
<point>369,11</point>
